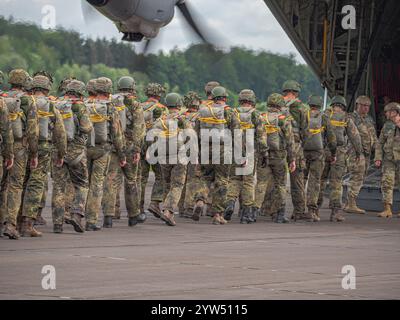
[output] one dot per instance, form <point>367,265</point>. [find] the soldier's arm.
<point>261,136</point>
<point>380,143</point>
<point>287,131</point>
<point>6,132</point>
<point>117,135</point>
<point>354,136</point>
<point>159,111</point>
<point>374,137</point>
<point>32,125</point>
<point>232,119</point>
<point>59,134</point>
<point>330,135</point>
<point>85,125</point>
<point>136,131</point>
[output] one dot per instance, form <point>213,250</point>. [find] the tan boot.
<point>27,229</point>
<point>11,232</point>
<point>154,208</point>
<point>168,218</point>
<point>387,211</point>
<point>351,206</point>
<point>218,219</point>
<point>336,216</point>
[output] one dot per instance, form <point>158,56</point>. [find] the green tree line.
<point>66,53</point>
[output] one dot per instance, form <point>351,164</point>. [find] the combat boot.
<point>27,229</point>
<point>133,221</point>
<point>40,221</point>
<point>168,218</point>
<point>245,215</point>
<point>255,212</point>
<point>387,211</point>
<point>1,229</point>
<point>336,216</point>
<point>75,220</point>
<point>229,210</point>
<point>92,227</point>
<point>11,232</point>
<point>58,228</point>
<point>351,206</point>
<point>280,217</point>
<point>198,210</point>
<point>108,222</point>
<point>154,208</point>
<point>218,219</point>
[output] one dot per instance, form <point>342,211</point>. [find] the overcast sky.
<point>246,23</point>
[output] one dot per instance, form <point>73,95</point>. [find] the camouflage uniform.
<point>74,169</point>
<point>168,129</point>
<point>344,129</point>
<point>24,122</point>
<point>107,133</point>
<point>242,186</point>
<point>215,116</point>
<point>133,127</point>
<point>51,135</point>
<point>298,112</point>
<point>153,109</point>
<point>319,134</point>
<point>387,153</point>
<point>272,170</point>
<point>357,170</point>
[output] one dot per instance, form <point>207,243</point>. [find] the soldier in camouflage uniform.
<point>1,82</point>
<point>319,134</point>
<point>298,111</point>
<point>22,115</point>
<point>191,102</point>
<point>107,133</point>
<point>74,169</point>
<point>152,109</point>
<point>133,128</point>
<point>218,117</point>
<point>387,156</point>
<point>167,128</point>
<point>344,129</point>
<point>367,130</point>
<point>280,142</point>
<point>6,151</point>
<point>52,135</point>
<point>242,186</point>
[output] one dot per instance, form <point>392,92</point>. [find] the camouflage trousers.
<point>337,171</point>
<point>36,183</point>
<point>157,191</point>
<point>98,162</point>
<point>192,185</point>
<point>271,204</point>
<point>116,177</point>
<point>174,176</point>
<point>390,170</point>
<point>3,192</point>
<point>74,171</point>
<point>314,166</point>
<point>297,184</point>
<point>357,171</point>
<point>241,187</point>
<point>274,174</point>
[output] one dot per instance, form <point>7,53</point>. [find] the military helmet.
<point>247,95</point>
<point>363,100</point>
<point>210,86</point>
<point>17,77</point>
<point>276,100</point>
<point>291,85</point>
<point>103,85</point>
<point>62,87</point>
<point>219,92</point>
<point>90,86</point>
<point>76,87</point>
<point>41,82</point>
<point>154,89</point>
<point>191,99</point>
<point>28,84</point>
<point>339,100</point>
<point>173,100</point>
<point>315,100</point>
<point>126,83</point>
<point>392,106</point>
<point>44,73</point>
<point>1,77</point>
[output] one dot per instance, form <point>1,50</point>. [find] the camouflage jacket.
<point>285,133</point>
<point>388,145</point>
<point>152,109</point>
<point>6,136</point>
<point>367,130</point>
<point>58,134</point>
<point>298,112</point>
